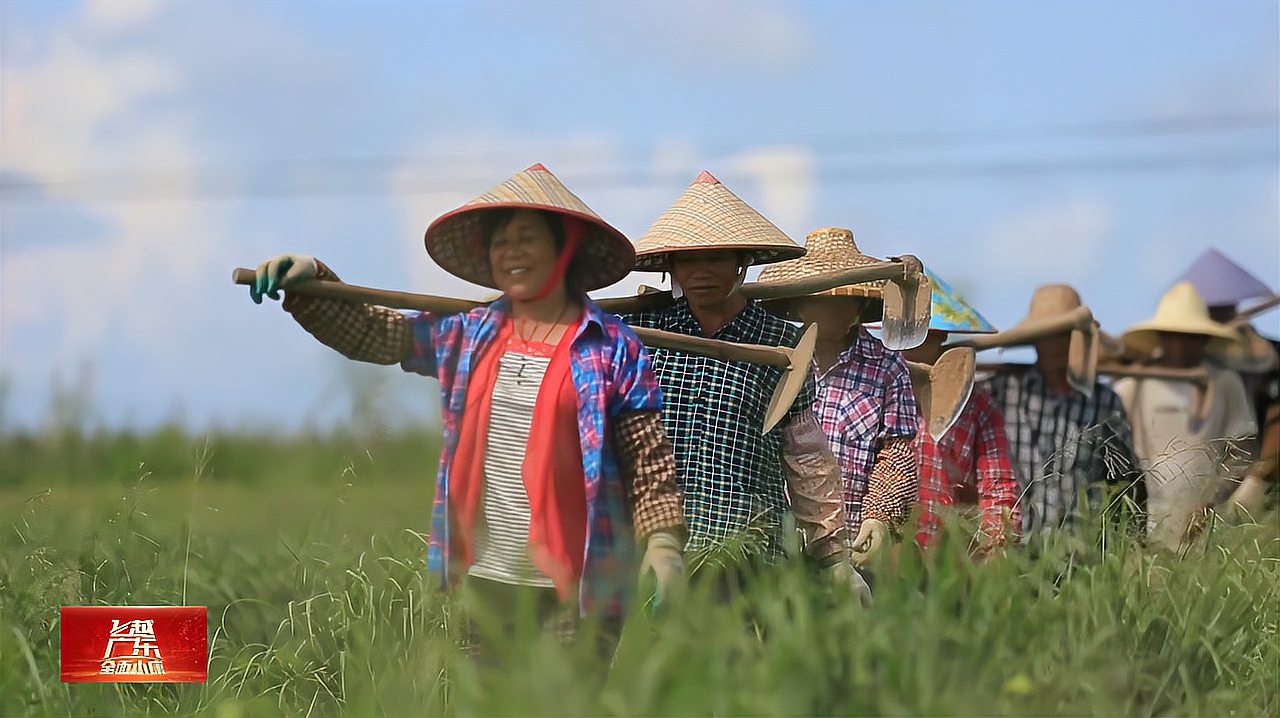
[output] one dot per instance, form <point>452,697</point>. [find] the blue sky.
<point>147,148</point>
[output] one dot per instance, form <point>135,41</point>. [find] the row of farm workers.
<point>835,403</point>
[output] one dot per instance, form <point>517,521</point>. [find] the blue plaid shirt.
<point>612,373</point>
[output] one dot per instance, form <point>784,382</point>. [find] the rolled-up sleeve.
<point>894,484</point>
<point>648,466</point>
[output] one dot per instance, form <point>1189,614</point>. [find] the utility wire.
<point>369,175</point>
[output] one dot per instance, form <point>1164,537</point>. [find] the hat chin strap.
<point>572,235</point>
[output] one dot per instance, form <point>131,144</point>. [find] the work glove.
<point>663,558</point>
<point>844,573</point>
<point>281,272</point>
<point>873,534</point>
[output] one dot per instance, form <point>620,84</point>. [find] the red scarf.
<point>552,468</point>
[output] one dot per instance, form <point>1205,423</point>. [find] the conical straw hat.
<point>826,251</point>
<point>1222,282</point>
<point>453,240</point>
<point>949,312</point>
<point>709,216</point>
<point>1182,311</point>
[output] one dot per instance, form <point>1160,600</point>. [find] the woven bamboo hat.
<point>709,216</point>
<point>827,250</point>
<point>453,240</point>
<point>1183,311</point>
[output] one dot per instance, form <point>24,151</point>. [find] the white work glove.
<point>873,534</point>
<point>280,272</point>
<point>843,572</point>
<point>663,558</point>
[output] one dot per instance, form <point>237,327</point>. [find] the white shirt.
<point>1184,464</point>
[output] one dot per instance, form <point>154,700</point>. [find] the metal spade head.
<point>793,377</point>
<point>951,385</point>
<point>907,303</point>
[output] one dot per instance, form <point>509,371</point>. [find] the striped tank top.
<point>502,528</point>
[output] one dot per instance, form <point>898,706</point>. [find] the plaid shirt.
<point>975,446</point>
<point>1063,446</point>
<point>626,459</point>
<point>731,473</point>
<point>863,402</point>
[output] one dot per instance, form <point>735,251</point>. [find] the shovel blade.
<point>907,304</point>
<point>792,381</point>
<point>950,386</point>
<point>1082,358</point>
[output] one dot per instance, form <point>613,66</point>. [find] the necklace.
<point>527,340</point>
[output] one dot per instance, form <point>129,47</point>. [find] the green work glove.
<point>873,534</point>
<point>843,573</point>
<point>664,559</point>
<point>280,272</point>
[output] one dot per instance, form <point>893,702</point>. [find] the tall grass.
<point>313,616</point>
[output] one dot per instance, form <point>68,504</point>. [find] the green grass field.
<point>310,556</point>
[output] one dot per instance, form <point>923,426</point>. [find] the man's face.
<point>706,276</point>
<point>1053,352</point>
<point>930,351</point>
<point>1183,350</point>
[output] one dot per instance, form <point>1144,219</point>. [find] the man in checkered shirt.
<point>735,479</point>
<point>1065,445</point>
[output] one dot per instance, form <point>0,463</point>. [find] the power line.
<point>368,175</point>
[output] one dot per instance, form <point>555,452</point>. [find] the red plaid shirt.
<point>976,445</point>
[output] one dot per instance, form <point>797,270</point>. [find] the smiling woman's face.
<point>522,254</point>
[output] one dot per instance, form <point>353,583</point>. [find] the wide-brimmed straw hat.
<point>1222,282</point>
<point>949,312</point>
<point>454,241</point>
<point>827,250</point>
<point>1181,311</point>
<point>1049,302</point>
<point>709,217</point>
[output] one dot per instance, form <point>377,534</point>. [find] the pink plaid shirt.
<point>975,445</point>
<point>862,401</point>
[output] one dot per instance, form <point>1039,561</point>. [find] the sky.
<point>147,148</point>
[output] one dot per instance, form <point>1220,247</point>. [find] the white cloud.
<point>85,102</point>
<point>786,180</point>
<point>743,35</point>
<point>1051,243</point>
<point>115,15</point>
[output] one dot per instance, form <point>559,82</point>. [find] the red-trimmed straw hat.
<point>453,240</point>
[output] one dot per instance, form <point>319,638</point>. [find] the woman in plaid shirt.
<point>864,399</point>
<point>555,460</point>
<point>970,463</point>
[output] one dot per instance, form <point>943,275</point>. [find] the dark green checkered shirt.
<point>729,471</point>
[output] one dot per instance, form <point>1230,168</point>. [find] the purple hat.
<point>1222,282</point>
